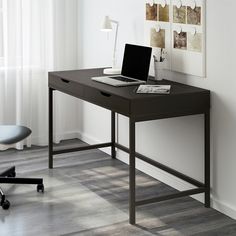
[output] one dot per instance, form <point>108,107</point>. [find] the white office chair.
<point>10,134</point>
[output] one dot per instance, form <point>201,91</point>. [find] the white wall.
<point>177,142</point>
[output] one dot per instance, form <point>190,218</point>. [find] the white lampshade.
<point>106,26</point>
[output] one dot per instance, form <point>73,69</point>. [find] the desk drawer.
<point>66,86</point>
<point>106,100</point>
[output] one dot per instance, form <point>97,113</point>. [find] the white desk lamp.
<point>107,27</point>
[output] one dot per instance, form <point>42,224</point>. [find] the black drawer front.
<point>166,106</point>
<point>66,86</point>
<point>107,100</point>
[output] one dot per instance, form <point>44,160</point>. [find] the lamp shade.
<point>106,26</point>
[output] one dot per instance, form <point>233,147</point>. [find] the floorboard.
<point>87,194</point>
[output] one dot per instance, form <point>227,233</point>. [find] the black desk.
<point>184,100</point>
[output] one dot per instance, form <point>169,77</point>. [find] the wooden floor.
<point>87,194</point>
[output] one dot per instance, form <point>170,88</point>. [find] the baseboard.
<point>43,140</point>
<point>224,208</point>
<point>90,140</point>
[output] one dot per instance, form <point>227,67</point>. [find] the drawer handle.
<point>65,81</point>
<point>105,94</point>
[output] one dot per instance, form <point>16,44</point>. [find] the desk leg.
<point>132,171</point>
<point>50,128</point>
<point>113,134</point>
<point>207,158</point>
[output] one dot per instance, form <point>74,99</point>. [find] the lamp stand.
<point>113,70</point>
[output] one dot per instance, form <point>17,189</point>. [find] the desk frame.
<point>199,187</point>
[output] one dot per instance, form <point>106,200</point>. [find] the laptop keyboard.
<point>121,78</point>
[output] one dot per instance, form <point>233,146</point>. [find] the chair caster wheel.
<point>5,205</point>
<point>40,188</point>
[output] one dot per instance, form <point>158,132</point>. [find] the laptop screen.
<point>136,61</point>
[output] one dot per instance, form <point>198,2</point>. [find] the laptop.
<point>135,67</point>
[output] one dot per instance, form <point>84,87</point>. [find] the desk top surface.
<point>129,92</point>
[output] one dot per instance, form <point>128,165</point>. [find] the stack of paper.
<point>158,89</point>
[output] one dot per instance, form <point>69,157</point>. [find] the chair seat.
<point>10,134</point>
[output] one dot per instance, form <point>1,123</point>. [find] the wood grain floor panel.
<point>87,194</point>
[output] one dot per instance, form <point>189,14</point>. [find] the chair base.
<point>8,177</point>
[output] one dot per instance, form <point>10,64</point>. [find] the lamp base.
<point>111,71</point>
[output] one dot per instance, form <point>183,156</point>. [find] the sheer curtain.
<point>36,36</point>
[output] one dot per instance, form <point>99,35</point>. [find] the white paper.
<point>158,89</point>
